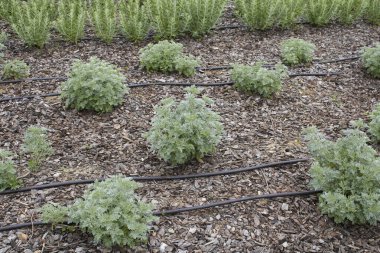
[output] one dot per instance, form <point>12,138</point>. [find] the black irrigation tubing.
<point>160,178</point>
<point>135,85</point>
<point>61,78</point>
<point>185,209</point>
<point>350,58</point>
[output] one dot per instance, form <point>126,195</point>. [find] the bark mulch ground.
<point>257,130</point>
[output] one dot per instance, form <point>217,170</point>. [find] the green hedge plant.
<point>297,51</point>
<point>290,12</point>
<point>257,79</point>
<point>103,17</point>
<point>134,20</point>
<point>96,85</point>
<point>37,145</point>
<point>71,20</point>
<point>110,211</point>
<point>372,13</point>
<point>169,18</point>
<point>186,130</point>
<point>203,14</point>
<point>167,56</point>
<point>15,69</point>
<point>371,60</point>
<point>321,12</point>
<point>8,176</point>
<point>258,14</point>
<point>348,173</point>
<point>32,20</point>
<point>351,10</point>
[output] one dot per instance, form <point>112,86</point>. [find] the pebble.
<point>284,207</point>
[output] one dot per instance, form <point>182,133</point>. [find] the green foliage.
<point>54,214</point>
<point>37,146</point>
<point>15,69</point>
<point>71,19</point>
<point>103,14</point>
<point>374,125</point>
<point>348,172</point>
<point>8,177</point>
<point>3,37</point>
<point>321,12</point>
<point>96,85</point>
<point>371,60</point>
<point>161,56</point>
<point>256,79</point>
<point>31,20</point>
<point>258,14</point>
<point>203,15</point>
<point>185,65</point>
<point>167,57</point>
<point>372,13</point>
<point>297,51</point>
<point>112,213</point>
<point>350,10</point>
<point>134,20</point>
<point>168,17</point>
<point>185,130</point>
<point>290,12</point>
<point>6,9</point>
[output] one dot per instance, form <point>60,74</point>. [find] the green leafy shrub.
<point>290,12</point>
<point>32,20</point>
<point>348,172</point>
<point>185,130</point>
<point>374,125</point>
<point>167,57</point>
<point>96,85</point>
<point>185,65</point>
<point>109,210</point>
<point>103,14</point>
<point>350,10</point>
<point>321,12</point>
<point>203,14</point>
<point>54,214</point>
<point>8,177</point>
<point>256,79</point>
<point>134,20</point>
<point>112,213</point>
<point>15,69</point>
<point>169,18</point>
<point>297,51</point>
<point>161,56</point>
<point>371,60</point>
<point>372,13</point>
<point>37,146</point>
<point>72,15</point>
<point>258,14</point>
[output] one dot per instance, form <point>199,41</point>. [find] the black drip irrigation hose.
<point>185,209</point>
<point>199,69</point>
<point>160,178</point>
<point>135,85</point>
<point>226,67</point>
<point>59,78</point>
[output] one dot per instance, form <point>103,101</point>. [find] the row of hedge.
<point>33,20</point>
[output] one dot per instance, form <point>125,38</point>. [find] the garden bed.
<point>257,130</point>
